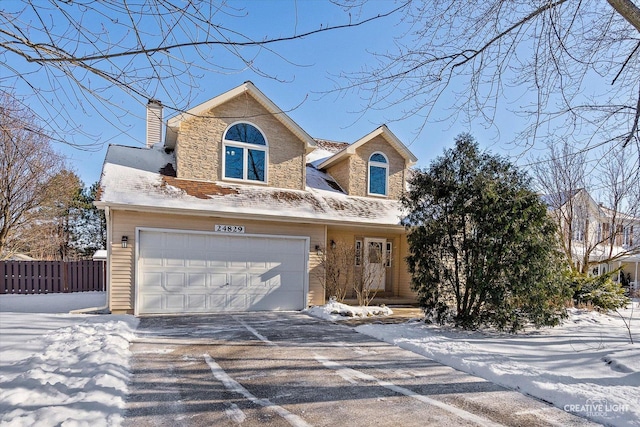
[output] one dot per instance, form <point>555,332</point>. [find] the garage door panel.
<point>274,301</point>
<point>197,302</point>
<point>192,272</point>
<point>216,263</point>
<point>237,282</point>
<point>150,279</point>
<point>174,302</point>
<point>237,302</point>
<point>174,282</point>
<point>152,302</point>
<point>172,260</point>
<point>217,280</point>
<point>197,280</point>
<point>197,263</point>
<point>152,257</point>
<point>289,281</point>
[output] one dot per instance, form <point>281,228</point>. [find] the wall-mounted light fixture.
<point>333,244</point>
<point>125,241</point>
<point>318,250</point>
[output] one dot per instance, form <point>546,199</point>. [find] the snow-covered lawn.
<point>586,366</point>
<point>59,369</point>
<point>70,370</point>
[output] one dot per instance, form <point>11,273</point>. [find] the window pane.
<point>255,167</point>
<point>375,252</point>
<point>378,158</point>
<point>244,132</point>
<point>377,180</point>
<point>233,162</point>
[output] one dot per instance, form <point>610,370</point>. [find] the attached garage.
<point>197,272</point>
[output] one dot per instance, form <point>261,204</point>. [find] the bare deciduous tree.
<point>570,68</point>
<point>72,53</point>
<point>588,229</point>
<point>337,272</point>
<point>28,165</point>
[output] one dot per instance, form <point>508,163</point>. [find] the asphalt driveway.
<point>288,369</point>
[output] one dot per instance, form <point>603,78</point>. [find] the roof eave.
<point>383,131</point>
<point>173,125</point>
<point>239,215</point>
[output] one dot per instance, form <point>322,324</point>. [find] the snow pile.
<point>334,311</point>
<point>61,369</point>
<point>51,303</point>
<point>586,366</point>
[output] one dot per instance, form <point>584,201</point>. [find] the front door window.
<point>374,266</point>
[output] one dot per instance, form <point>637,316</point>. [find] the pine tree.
<point>483,250</point>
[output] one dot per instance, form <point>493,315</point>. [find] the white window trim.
<point>386,174</point>
<point>245,155</point>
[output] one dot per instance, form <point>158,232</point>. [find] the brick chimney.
<point>154,122</point>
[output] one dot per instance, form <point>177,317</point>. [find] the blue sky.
<point>307,76</point>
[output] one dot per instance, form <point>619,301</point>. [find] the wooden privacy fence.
<point>42,277</point>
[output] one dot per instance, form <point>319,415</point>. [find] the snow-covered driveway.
<point>290,369</point>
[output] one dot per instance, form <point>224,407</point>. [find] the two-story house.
<point>235,209</point>
<point>597,239</point>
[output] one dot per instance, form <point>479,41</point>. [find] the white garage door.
<point>199,273</point>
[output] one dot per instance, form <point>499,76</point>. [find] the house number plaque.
<point>230,228</point>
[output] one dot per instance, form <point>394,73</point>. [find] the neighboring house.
<point>235,210</point>
<point>597,239</point>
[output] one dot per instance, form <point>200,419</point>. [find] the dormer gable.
<point>239,136</point>
<point>382,131</point>
<point>374,166</point>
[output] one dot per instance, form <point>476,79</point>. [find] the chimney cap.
<point>154,101</point>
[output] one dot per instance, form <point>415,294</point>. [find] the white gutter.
<point>107,266</point>
<point>247,216</point>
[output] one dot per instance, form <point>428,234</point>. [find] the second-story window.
<point>627,237</point>
<point>244,153</point>
<point>378,174</point>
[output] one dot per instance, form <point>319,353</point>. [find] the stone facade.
<point>352,172</point>
<point>360,168</point>
<point>199,144</point>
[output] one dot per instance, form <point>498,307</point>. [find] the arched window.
<point>244,153</point>
<point>378,174</point>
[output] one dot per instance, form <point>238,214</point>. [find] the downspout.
<point>98,310</point>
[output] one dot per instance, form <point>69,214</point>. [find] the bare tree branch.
<point>71,54</point>
<point>570,69</point>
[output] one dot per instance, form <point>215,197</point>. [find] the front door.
<point>374,265</point>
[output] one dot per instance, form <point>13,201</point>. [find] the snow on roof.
<point>145,178</point>
<point>324,150</point>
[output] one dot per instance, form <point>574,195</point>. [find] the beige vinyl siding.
<point>398,280</point>
<point>404,277</point>
<point>125,223</point>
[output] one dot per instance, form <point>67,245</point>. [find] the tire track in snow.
<point>352,375</point>
<point>235,386</point>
